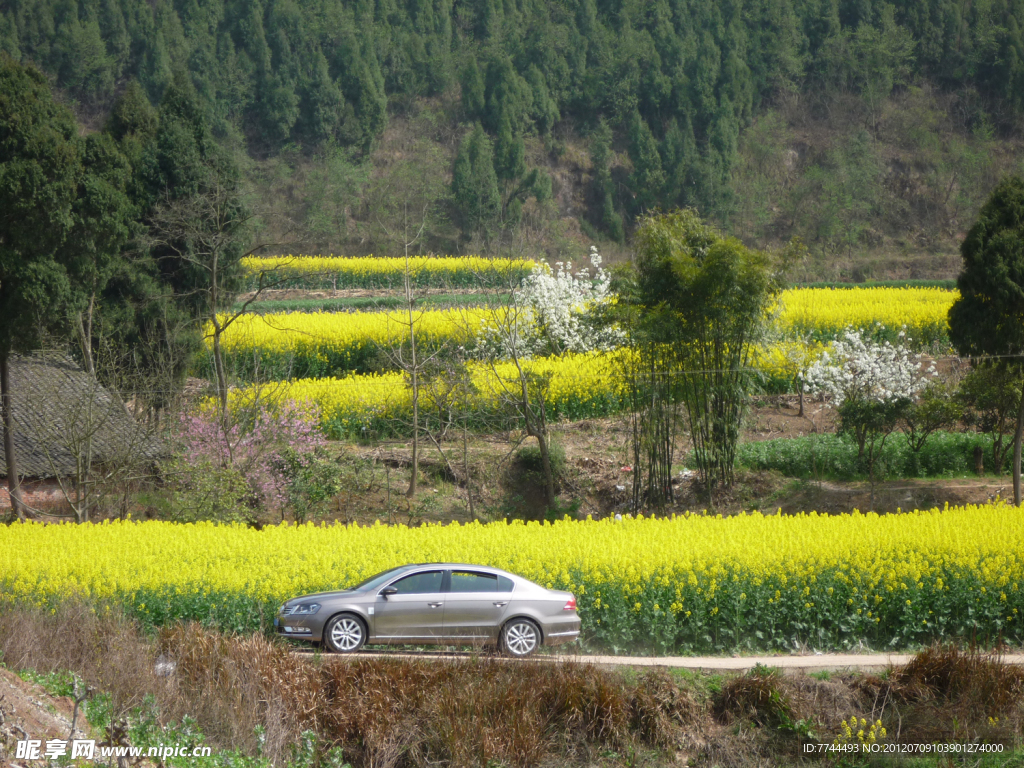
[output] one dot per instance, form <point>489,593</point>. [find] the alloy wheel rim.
<point>346,634</point>
<point>521,638</point>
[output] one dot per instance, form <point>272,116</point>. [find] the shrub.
<point>946,454</point>
<point>263,459</point>
<point>528,458</point>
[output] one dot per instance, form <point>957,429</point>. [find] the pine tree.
<point>509,154</point>
<point>475,184</point>
<point>472,90</point>
<point>545,111</point>
<point>320,102</point>
<point>648,178</point>
<point>600,157</point>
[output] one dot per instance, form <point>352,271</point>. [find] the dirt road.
<point>788,664</point>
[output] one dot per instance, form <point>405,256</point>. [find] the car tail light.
<point>571,605</point>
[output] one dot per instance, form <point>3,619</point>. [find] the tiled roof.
<point>62,413</point>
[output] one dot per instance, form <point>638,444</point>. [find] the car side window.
<point>419,583</point>
<point>471,581</point>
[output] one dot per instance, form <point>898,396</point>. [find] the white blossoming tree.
<point>547,313</point>
<point>872,385</point>
<point>555,313</point>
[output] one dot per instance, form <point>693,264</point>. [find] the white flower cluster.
<point>855,367</point>
<point>555,313</point>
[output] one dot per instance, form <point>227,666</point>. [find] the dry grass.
<point>398,713</point>
<point>947,693</point>
<point>757,696</point>
<point>384,712</point>
<point>101,646</point>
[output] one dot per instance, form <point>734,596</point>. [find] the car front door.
<point>413,614</point>
<point>474,605</point>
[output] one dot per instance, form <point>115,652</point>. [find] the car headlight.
<point>307,609</point>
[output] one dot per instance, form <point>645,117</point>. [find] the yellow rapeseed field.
<point>824,313</point>
<point>376,271</point>
<point>684,583</point>
<point>308,344</point>
<point>579,386</point>
<point>298,345</point>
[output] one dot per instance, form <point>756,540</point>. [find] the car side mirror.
<point>388,591</point>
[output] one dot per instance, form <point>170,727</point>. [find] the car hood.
<point>323,595</point>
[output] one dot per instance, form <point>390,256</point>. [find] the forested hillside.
<point>845,122</point>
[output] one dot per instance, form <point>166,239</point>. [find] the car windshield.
<point>380,578</point>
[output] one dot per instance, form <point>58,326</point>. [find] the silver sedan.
<point>435,603</point>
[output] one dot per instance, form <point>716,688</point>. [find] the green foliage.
<point>709,297</point>
<point>509,154</point>
<point>475,183</point>
<point>870,60</point>
<point>870,422</point>
<point>648,178</point>
<point>937,407</point>
<point>472,90</point>
<point>991,394</point>
<point>529,459</point>
<point>132,114</point>
<point>600,157</point>
<point>945,454</point>
<point>680,81</point>
<point>336,181</point>
<point>314,482</point>
<point>837,196</point>
<point>200,490</point>
<point>58,683</point>
<point>988,318</point>
<point>41,168</point>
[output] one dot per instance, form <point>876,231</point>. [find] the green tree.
<point>508,95</point>
<point>509,154</point>
<point>600,158</point>
<point>132,114</point>
<point>84,65</point>
<point>990,395</point>
<point>143,338</point>
<point>472,90</point>
<point>648,178</point>
<point>516,183</point>
<point>545,109</point>
<point>475,184</point>
<point>988,318</point>
<point>708,298</point>
<point>335,182</point>
<point>56,217</point>
<point>320,103</point>
<point>103,216</point>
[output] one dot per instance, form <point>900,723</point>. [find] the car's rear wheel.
<point>520,638</point>
<point>345,634</point>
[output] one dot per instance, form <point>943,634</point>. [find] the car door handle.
<point>501,603</point>
<point>435,605</point>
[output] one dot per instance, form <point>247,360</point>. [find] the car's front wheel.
<point>520,638</point>
<point>345,634</point>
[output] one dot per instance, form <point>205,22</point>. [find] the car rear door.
<point>415,613</point>
<point>475,604</point>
